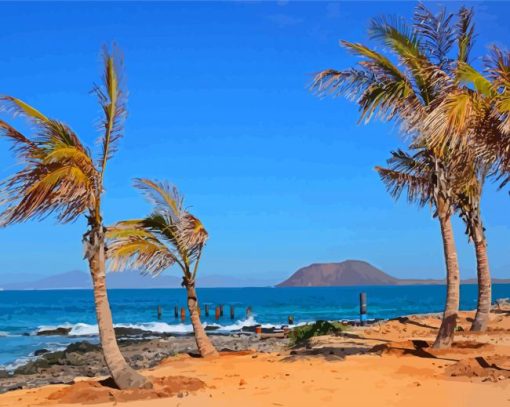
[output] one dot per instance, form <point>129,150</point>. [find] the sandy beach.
<point>388,364</point>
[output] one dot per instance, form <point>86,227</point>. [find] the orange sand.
<point>332,371</point>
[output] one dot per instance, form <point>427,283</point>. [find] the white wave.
<point>83,329</point>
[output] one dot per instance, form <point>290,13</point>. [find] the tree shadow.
<point>420,349</point>
<point>329,353</point>
<point>408,321</point>
<point>109,382</point>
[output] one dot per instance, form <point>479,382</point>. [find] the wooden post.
<point>176,312</point>
<point>363,308</point>
<point>248,312</point>
<point>217,312</point>
<point>160,312</point>
<point>183,314</point>
<point>291,319</point>
<point>221,310</point>
<point>231,312</point>
<point>206,309</point>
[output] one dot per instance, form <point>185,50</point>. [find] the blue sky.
<point>219,105</point>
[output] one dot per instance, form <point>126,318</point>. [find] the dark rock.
<point>82,347</point>
<point>57,331</point>
<point>40,352</point>
<point>121,331</point>
<point>54,358</point>
<point>32,367</point>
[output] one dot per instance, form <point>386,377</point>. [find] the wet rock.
<point>40,352</point>
<point>53,332</point>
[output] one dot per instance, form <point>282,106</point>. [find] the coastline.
<point>393,357</point>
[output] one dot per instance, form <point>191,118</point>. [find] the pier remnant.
<point>363,308</point>
<point>160,312</point>
<point>176,311</point>
<point>232,312</point>
<point>290,319</point>
<point>206,310</point>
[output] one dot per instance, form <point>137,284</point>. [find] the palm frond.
<point>17,107</point>
<point>418,190</point>
<point>58,175</point>
<point>468,75</point>
<point>112,99</point>
<point>437,32</point>
<point>163,196</point>
<point>465,33</point>
<point>139,252</point>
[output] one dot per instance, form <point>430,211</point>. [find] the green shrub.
<point>301,334</point>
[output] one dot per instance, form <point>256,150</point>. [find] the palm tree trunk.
<point>204,345</point>
<point>446,330</point>
<point>484,282</point>
<point>124,376</point>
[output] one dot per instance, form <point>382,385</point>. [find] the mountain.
<point>352,273</point>
<point>129,279</point>
<point>349,272</point>
<point>81,280</point>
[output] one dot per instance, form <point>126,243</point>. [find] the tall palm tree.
<point>169,235</point>
<point>467,202</point>
<point>475,115</point>
<point>408,93</point>
<point>59,175</point>
<point>428,181</point>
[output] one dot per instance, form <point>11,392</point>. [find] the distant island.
<point>353,273</point>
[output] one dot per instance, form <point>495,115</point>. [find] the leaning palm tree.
<point>60,176</point>
<point>407,93</point>
<point>428,181</point>
<point>169,235</point>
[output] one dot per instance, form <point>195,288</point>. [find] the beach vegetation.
<point>301,334</point>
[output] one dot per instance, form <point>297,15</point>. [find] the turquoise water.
<point>23,313</point>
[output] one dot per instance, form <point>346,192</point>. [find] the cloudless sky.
<point>219,105</point>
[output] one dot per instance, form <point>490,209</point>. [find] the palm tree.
<point>170,235</point>
<point>408,93</point>
<point>475,116</point>
<point>428,181</point>
<point>59,175</point>
<point>467,202</point>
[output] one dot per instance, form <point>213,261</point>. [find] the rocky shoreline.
<point>85,359</point>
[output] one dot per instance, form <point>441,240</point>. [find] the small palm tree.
<point>59,175</point>
<point>170,235</point>
<point>427,181</point>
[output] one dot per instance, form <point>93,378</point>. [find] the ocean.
<point>24,313</point>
